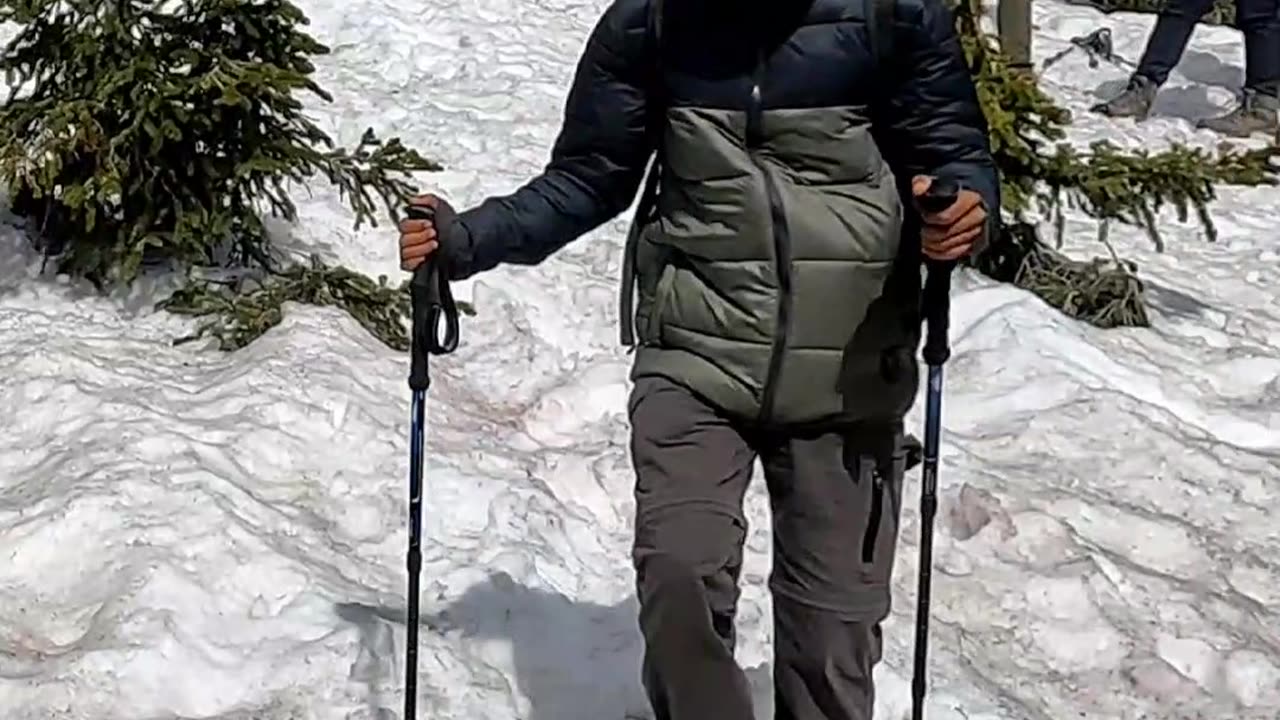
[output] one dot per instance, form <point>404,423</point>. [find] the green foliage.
<point>1131,186</point>
<point>168,130</point>
<point>1105,182</point>
<point>240,311</point>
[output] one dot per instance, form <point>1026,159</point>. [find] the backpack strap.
<point>655,107</point>
<point>882,35</point>
<point>881,30</point>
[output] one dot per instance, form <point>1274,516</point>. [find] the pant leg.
<point>836,500</point>
<point>692,472</point>
<point>1013,18</point>
<point>1170,37</point>
<point>1259,21</point>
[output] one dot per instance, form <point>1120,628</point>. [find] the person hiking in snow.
<point>1259,108</point>
<point>778,312</point>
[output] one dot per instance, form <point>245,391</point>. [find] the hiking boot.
<point>1134,102</point>
<point>1255,113</point>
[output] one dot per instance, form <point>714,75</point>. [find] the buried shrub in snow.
<point>169,131</point>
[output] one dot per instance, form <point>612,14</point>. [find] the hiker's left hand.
<point>952,233</point>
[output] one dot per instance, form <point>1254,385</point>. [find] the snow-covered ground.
<point>187,534</point>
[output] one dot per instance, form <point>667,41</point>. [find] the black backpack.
<point>880,32</point>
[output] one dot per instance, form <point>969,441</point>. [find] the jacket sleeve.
<point>935,124</point>
<point>597,161</point>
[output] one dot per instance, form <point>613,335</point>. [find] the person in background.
<point>1259,108</point>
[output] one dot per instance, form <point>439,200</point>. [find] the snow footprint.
<point>973,509</point>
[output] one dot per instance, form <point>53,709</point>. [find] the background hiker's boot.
<point>1134,102</point>
<point>1256,113</point>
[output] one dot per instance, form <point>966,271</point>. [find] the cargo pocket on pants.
<point>884,479</point>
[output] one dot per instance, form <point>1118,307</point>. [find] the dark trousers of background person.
<point>1258,20</point>
<point>1013,19</point>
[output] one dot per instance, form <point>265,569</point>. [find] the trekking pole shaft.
<point>431,302</point>
<point>421,298</point>
<point>942,193</point>
<point>936,352</point>
<point>928,512</point>
<point>414,557</point>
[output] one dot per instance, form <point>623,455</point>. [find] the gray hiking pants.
<point>835,501</point>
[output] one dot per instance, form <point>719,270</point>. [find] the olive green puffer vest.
<point>761,266</point>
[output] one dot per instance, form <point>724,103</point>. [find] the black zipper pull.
<point>873,519</point>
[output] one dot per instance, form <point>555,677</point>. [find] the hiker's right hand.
<point>420,238</point>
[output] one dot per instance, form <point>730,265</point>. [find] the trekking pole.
<point>431,301</point>
<point>942,193</point>
<point>1096,45</point>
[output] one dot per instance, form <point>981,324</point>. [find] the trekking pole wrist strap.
<point>431,303</point>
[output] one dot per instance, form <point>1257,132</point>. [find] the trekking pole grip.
<point>942,194</point>
<point>431,301</point>
<point>937,312</point>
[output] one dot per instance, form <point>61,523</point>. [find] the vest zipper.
<point>781,246</point>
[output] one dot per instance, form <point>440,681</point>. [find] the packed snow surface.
<point>189,534</point>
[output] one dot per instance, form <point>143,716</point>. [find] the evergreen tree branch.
<point>1104,182</point>
<point>141,131</point>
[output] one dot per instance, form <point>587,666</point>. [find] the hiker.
<point>1259,107</point>
<point>778,312</point>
